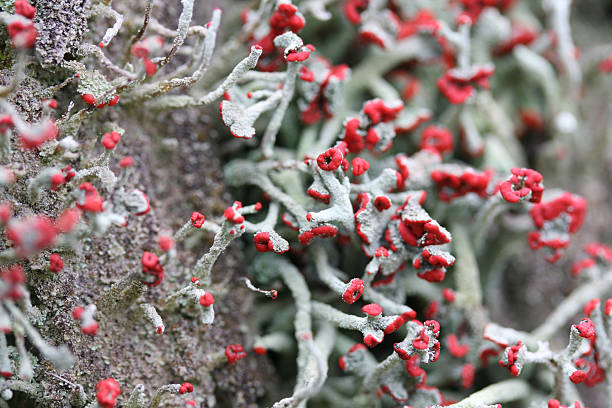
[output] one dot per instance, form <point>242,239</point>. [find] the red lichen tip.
<point>578,376</point>
<point>185,388</point>
<point>353,291</point>
<point>207,299</point>
<point>197,219</point>
<point>234,352</point>
<point>55,262</point>
<point>106,392</point>
<point>126,161</point>
<point>110,140</point>
<point>373,309</point>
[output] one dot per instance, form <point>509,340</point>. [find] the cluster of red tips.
<point>143,49</point>
<point>207,299</point>
<point>567,203</point>
<point>85,315</point>
<point>91,100</point>
<point>185,388</point>
<point>197,219</point>
<point>110,140</point>
<point>195,281</point>
<point>89,199</point>
<point>301,54</point>
<point>422,341</point>
<point>522,183</point>
<point>578,376</point>
<point>31,234</point>
<point>451,185</point>
<point>34,136</point>
<point>13,279</point>
<point>67,220</point>
<point>458,89</point>
<point>596,252</point>
<point>586,328</point>
<point>107,392</point>
<point>378,111</point>
<point>152,268</point>
<point>232,215</point>
<point>353,291</point>
<point>331,159</point>
<point>20,26</point>
<point>234,352</point>
<point>512,355</point>
<point>437,139</point>
<point>68,173</point>
<point>360,166</point>
<point>56,263</point>
<point>322,231</point>
<point>555,403</point>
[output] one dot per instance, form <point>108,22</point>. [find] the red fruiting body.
<point>13,278</point>
<point>421,342</point>
<point>578,376</point>
<point>431,310</point>
<point>91,329</point>
<point>590,306</point>
<point>360,166</point>
<point>67,220</point>
<point>331,159</point>
<point>207,299</point>
<point>353,292</point>
<point>22,32</point>
<point>262,242</point>
<point>165,242</point>
<point>522,183</point>
<point>438,139</point>
<point>89,200</point>
<point>110,140</point>
<point>197,219</point>
<point>455,348</point>
<point>323,231</point>
<point>372,309</point>
<point>452,186</point>
<point>126,161</point>
<point>520,36</point>
<point>232,215</point>
<point>260,350</point>
<point>55,263</point>
<point>586,329</point>
<point>106,392</point>
<point>468,371</point>
<point>25,9</point>
<point>6,123</point>
<point>30,235</point>
<point>152,267</point>
<point>512,354</point>
<point>448,294</point>
<point>382,203</point>
<point>6,212</point>
<point>89,99</point>
<point>234,352</point>
<point>185,388</point>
